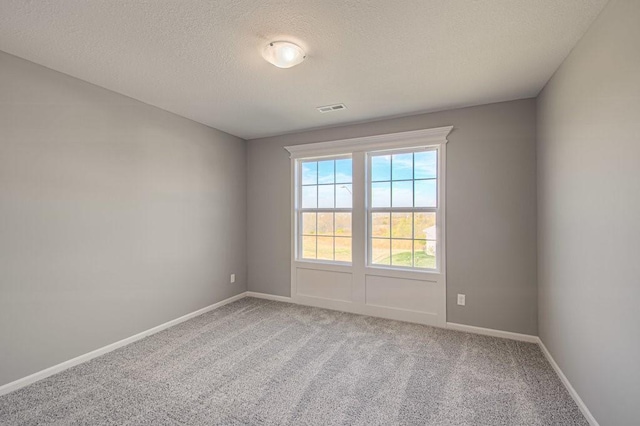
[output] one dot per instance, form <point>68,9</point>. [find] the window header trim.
<point>415,138</point>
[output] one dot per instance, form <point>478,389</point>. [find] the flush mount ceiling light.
<point>283,54</point>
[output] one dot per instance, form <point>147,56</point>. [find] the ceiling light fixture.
<point>283,54</point>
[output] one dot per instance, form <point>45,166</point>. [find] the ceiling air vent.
<point>329,108</point>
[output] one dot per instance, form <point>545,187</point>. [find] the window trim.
<point>356,147</point>
<point>299,211</point>
<point>370,210</point>
<point>415,138</point>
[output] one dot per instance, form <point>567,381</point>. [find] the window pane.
<point>344,172</point>
<point>325,196</point>
<point>380,225</point>
<point>308,247</point>
<point>325,171</point>
<point>424,226</point>
<point>325,223</point>
<point>424,254</point>
<point>426,193</point>
<point>309,223</point>
<point>309,197</point>
<point>380,167</point>
<point>425,165</point>
<point>309,173</point>
<point>343,224</point>
<point>343,249</point>
<point>401,225</point>
<point>402,166</point>
<point>343,196</point>
<point>325,248</point>
<point>380,194</point>
<point>401,252</point>
<point>402,193</point>
<point>380,251</point>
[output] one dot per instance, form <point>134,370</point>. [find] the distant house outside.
<point>430,247</point>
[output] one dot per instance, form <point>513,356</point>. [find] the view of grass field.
<point>421,260</point>
<point>403,239</point>
<point>399,239</point>
<point>325,234</point>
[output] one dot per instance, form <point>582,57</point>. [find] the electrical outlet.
<point>233,278</point>
<point>461,300</point>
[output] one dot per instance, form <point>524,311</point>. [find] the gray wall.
<point>589,215</point>
<point>491,210</point>
<point>115,217</point>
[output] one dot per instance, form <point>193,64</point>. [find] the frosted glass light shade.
<point>283,54</point>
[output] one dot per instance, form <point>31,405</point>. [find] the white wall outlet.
<point>461,300</point>
<point>233,278</point>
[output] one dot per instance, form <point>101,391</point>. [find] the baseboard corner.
<point>565,381</point>
<point>492,332</point>
<point>267,296</point>
<point>50,371</point>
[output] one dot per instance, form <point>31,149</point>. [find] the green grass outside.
<point>422,260</point>
<point>325,251</point>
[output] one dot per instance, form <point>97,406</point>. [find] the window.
<point>375,204</point>
<point>403,207</point>
<point>368,225</point>
<point>324,209</point>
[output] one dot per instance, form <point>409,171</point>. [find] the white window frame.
<point>299,210</point>
<point>357,148</point>
<point>359,271</point>
<point>437,210</point>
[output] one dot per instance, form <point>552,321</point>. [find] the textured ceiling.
<point>201,59</point>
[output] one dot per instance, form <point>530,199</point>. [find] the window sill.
<point>324,265</point>
<point>407,273</point>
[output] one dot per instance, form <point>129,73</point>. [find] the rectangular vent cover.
<point>329,108</point>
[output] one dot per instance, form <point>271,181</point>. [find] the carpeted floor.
<point>256,362</point>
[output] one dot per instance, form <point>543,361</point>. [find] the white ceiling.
<point>201,59</point>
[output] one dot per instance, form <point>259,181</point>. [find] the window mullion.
<point>413,239</point>
<point>334,235</point>
<point>359,226</point>
<point>413,214</point>
<point>403,209</point>
<point>413,181</point>
<point>391,181</point>
<point>325,210</point>
<point>335,204</point>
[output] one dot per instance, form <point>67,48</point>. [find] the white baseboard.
<point>579,402</point>
<point>25,381</point>
<point>491,332</point>
<point>532,339</point>
<point>268,296</point>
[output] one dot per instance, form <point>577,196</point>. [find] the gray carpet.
<point>256,362</point>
